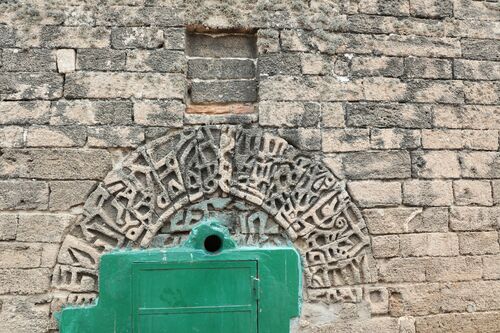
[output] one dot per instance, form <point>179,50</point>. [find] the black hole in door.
<point>213,243</point>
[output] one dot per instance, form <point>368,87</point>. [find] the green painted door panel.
<point>191,290</point>
<point>206,300</point>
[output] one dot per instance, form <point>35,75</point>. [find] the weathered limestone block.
<point>417,46</point>
<point>436,91</point>
<point>345,140</point>
<point>471,296</point>
<point>156,61</point>
<point>90,112</point>
<point>472,192</point>
<point>29,60</point>
<point>122,136</point>
<point>47,228</point>
<point>376,66</point>
<point>67,194</point>
<point>11,137</point>
<point>389,115</point>
<point>308,139</point>
<point>381,7</point>
<point>221,46</point>
<point>482,92</point>
<point>54,164</point>
<point>491,267</point>
<point>268,41</point>
<point>475,10</point>
<point>124,85</point>
<point>480,164</point>
<point>21,113</point>
<point>431,8</point>
<point>124,13</point>
<point>279,64</point>
<point>23,194</point>
<point>8,226</point>
<point>384,89</point>
<point>289,114</point>
<point>435,164</point>
<point>401,270</point>
<point>386,246</point>
<point>159,113</point>
<point>56,136</point>
<point>74,37</point>
<point>7,36</point>
<point>20,86</point>
<point>428,68</point>
<point>23,314</point>
<point>476,243</point>
<point>429,244</point>
<point>459,322</point>
<point>476,70</point>
<point>496,191</point>
<point>428,193</point>
<point>372,193</point>
<point>394,138</point>
<point>404,220</point>
<point>376,165</point>
<point>460,139</point>
<point>175,38</point>
<point>332,115</point>
<point>474,218</point>
<point>481,49</point>
<point>66,60</point>
<point>101,59</point>
<point>20,255</point>
<point>223,91</point>
<point>24,281</point>
<point>467,116</point>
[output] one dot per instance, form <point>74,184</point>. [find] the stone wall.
<point>400,98</point>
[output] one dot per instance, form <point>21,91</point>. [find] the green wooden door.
<point>195,297</point>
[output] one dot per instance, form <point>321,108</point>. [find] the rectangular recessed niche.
<point>221,71</point>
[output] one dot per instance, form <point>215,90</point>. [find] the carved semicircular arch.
<point>266,190</point>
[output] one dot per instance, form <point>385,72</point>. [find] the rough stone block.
<point>436,91</point>
<point>268,41</point>
<point>428,193</point>
<point>134,13</point>
<point>429,245</point>
<point>467,116</point>
<point>24,281</point>
<point>384,89</point>
<point>60,136</point>
<point>64,163</point>
<point>491,267</point>
<point>389,115</point>
<point>122,136</point>
<point>376,66</point>
<point>385,7</point>
<point>224,91</point>
<point>476,10</point>
<point>402,270</point>
<point>137,37</point>
<point>11,137</point>
<point>394,138</point>
<point>477,243</point>
<point>472,192</point>
<point>482,92</point>
<point>124,85</point>
<point>221,46</point>
<point>101,60</point>
<point>46,228</point>
<point>415,299</point>
<point>66,60</point>
<point>159,113</point>
<point>372,193</point>
<point>174,38</point>
<point>431,8</point>
<point>496,191</point>
<point>303,138</point>
<point>471,296</point>
<point>345,140</point>
<point>21,86</point>
<point>67,194</point>
<point>376,165</point>
<point>221,69</point>
<point>481,49</point>
<point>480,164</point>
<point>317,64</point>
<point>28,60</point>
<point>20,255</point>
<point>156,61</point>
<point>332,115</point>
<point>23,194</point>
<point>289,114</point>
<point>8,226</point>
<point>7,36</point>
<point>24,113</point>
<point>386,246</point>
<point>428,68</point>
<point>74,37</point>
<point>474,218</point>
<point>416,46</point>
<point>89,112</point>
<point>435,164</point>
<point>460,139</point>
<point>476,70</point>
<point>459,322</point>
<point>279,64</point>
<point>310,88</point>
<point>453,269</point>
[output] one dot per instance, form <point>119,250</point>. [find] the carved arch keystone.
<point>264,188</point>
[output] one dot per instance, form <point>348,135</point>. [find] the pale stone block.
<point>429,244</point>
<point>24,281</point>
<point>67,194</point>
<point>436,164</point>
<point>476,243</point>
<point>428,192</point>
<point>445,269</point>
<point>472,192</point>
<point>66,60</point>
<point>402,270</point>
<point>372,193</point>
<point>491,267</point>
<point>8,226</point>
<point>385,246</point>
<point>20,255</point>
<point>474,218</point>
<point>47,228</point>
